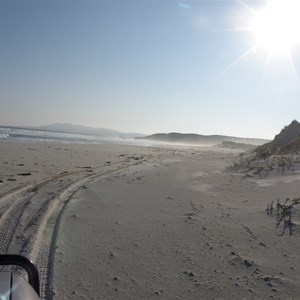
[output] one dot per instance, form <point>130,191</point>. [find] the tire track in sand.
<point>40,245</point>
<point>14,202</point>
<point>40,248</point>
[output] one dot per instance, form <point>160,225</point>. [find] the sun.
<point>277,26</point>
<point>274,28</point>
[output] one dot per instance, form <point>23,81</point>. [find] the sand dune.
<point>120,222</point>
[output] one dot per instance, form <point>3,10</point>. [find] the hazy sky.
<point>144,66</point>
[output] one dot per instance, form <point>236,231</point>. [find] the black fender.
<point>14,286</point>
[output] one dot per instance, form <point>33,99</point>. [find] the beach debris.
<point>161,291</point>
<point>189,273</point>
<point>134,157</point>
<point>11,179</point>
<point>1,181</point>
<point>237,259</point>
<point>262,244</point>
<point>271,280</point>
<point>25,174</point>
<point>86,167</point>
<point>247,263</point>
<point>190,214</point>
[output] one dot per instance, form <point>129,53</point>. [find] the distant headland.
<point>191,138</point>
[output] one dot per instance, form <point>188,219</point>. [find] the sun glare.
<point>277,26</point>
<point>274,26</point>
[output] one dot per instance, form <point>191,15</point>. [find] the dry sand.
<point>124,222</point>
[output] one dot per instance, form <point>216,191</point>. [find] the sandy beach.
<point>129,222</point>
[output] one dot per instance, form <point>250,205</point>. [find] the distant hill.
<point>237,146</point>
<point>71,128</point>
<point>288,140</point>
<point>191,138</point>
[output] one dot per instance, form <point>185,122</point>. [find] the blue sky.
<point>142,66</point>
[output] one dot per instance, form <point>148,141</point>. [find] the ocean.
<point>21,134</point>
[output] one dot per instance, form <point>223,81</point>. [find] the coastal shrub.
<point>241,162</point>
<point>284,214</point>
<point>252,165</point>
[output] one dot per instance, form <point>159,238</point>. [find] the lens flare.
<point>277,26</point>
